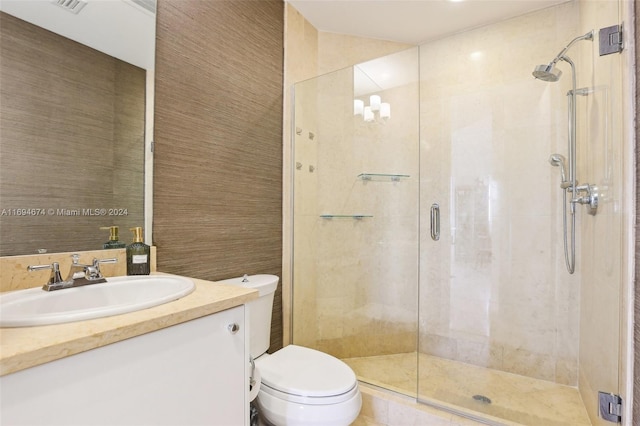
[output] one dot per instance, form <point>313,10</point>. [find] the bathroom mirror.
<point>76,81</point>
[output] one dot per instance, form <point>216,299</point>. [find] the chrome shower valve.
<point>590,199</point>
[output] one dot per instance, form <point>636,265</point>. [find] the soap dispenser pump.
<point>138,254</point>
<point>114,242</point>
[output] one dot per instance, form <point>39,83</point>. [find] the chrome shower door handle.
<point>435,222</point>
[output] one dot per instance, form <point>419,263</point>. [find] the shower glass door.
<point>355,251</point>
<point>505,332</point>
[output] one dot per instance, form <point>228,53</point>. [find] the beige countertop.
<point>25,347</point>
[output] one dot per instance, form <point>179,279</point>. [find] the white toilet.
<point>300,386</point>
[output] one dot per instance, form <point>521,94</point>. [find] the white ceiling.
<point>385,73</point>
<point>410,21</point>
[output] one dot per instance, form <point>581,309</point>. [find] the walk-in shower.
<point>481,318</point>
<point>572,193</point>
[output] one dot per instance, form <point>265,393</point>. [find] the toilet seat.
<point>306,376</point>
<point>311,400</point>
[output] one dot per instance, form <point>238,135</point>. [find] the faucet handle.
<point>55,279</point>
<point>55,268</point>
<point>110,260</point>
<point>93,271</point>
<point>90,272</point>
<point>40,267</point>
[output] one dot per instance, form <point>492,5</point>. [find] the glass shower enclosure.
<point>356,212</point>
<point>427,225</point>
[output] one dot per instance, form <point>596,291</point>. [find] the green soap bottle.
<point>138,255</point>
<point>114,242</point>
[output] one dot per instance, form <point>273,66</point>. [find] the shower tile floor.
<point>518,399</point>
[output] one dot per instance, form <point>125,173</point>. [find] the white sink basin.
<point>118,295</point>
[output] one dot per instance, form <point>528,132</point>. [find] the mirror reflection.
<point>72,122</point>
<point>371,79</point>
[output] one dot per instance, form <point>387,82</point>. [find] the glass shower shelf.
<point>382,176</point>
<point>345,216</point>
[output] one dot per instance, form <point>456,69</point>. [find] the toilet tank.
<point>259,309</point>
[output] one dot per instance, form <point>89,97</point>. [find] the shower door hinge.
<point>610,40</point>
<point>610,407</point>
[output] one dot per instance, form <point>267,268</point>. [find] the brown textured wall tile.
<point>218,140</point>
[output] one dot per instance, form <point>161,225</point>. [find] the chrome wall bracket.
<point>610,40</point>
<point>610,407</point>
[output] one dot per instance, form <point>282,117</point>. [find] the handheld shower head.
<point>558,160</point>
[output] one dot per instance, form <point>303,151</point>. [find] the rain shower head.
<point>549,72</point>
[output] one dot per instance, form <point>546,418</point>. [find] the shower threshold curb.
<point>424,409</point>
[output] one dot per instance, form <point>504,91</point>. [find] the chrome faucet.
<point>55,279</point>
<point>79,274</point>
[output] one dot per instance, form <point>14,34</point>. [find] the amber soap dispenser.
<point>138,255</point>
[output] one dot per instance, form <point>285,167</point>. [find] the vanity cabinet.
<point>191,373</point>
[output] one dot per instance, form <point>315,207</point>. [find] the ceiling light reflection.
<point>477,55</point>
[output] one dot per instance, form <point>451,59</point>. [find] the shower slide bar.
<point>573,194</point>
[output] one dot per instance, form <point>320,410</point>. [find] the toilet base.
<point>276,412</point>
<point>254,416</point>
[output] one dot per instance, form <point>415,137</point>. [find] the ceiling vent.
<point>73,6</point>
